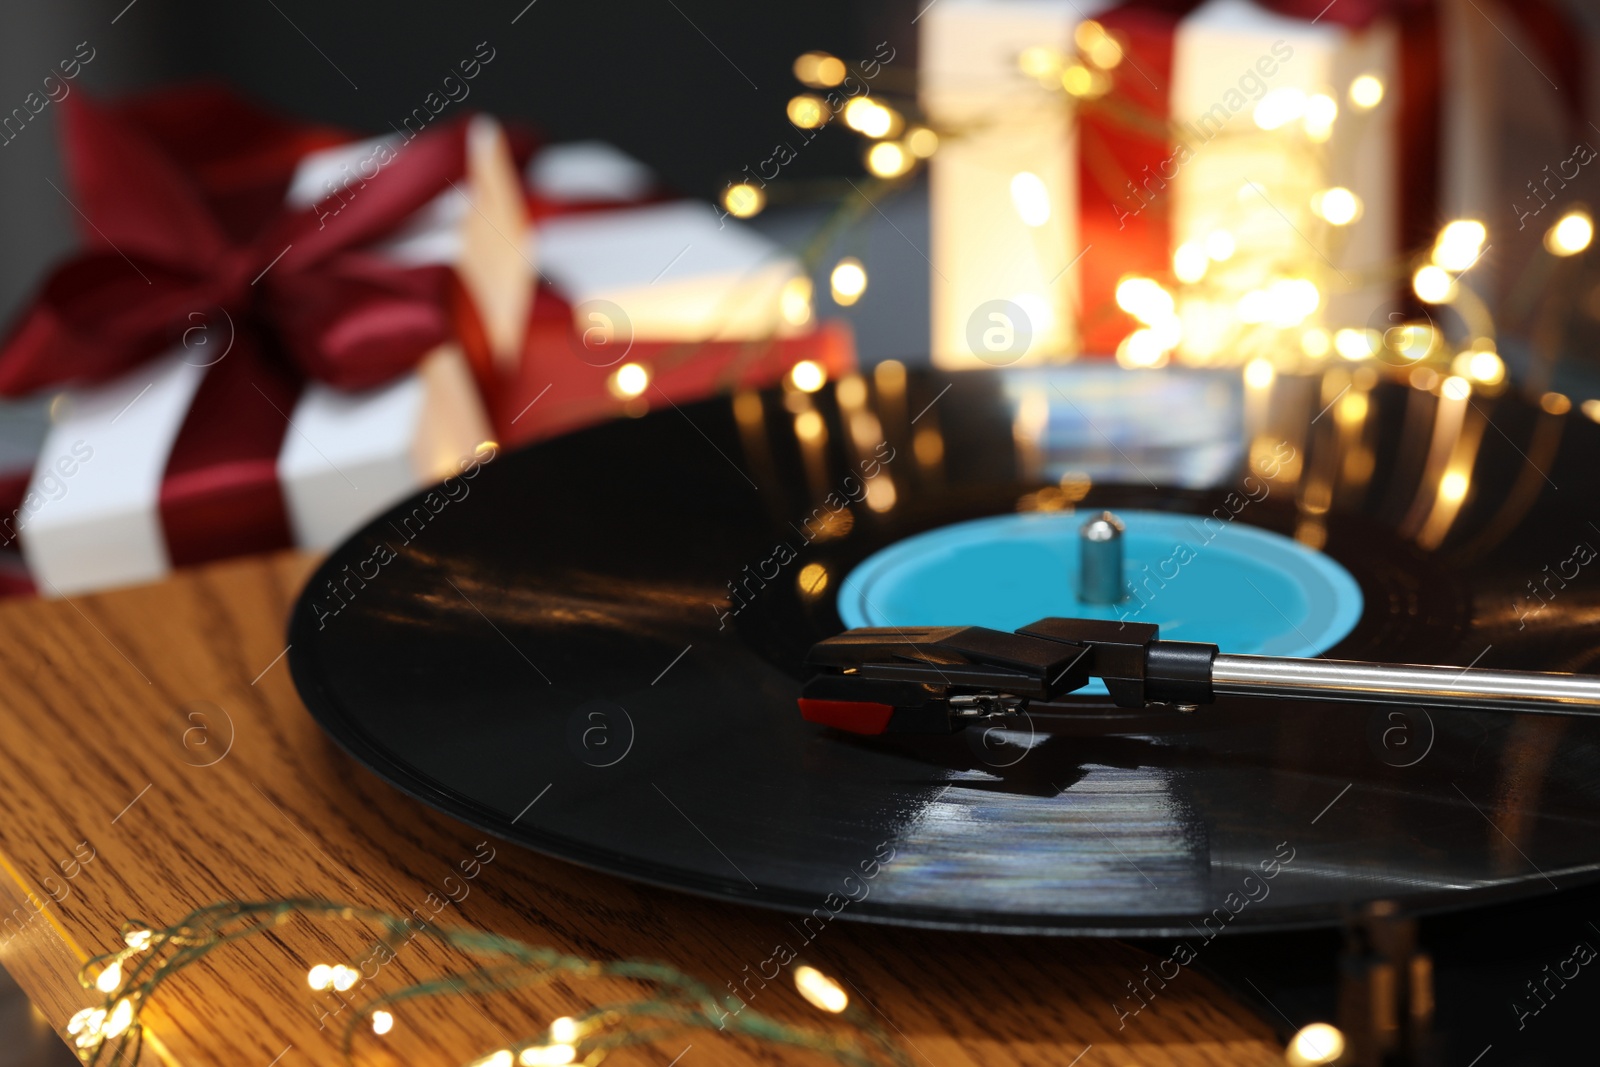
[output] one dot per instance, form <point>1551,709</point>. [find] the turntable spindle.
<point>1100,560</point>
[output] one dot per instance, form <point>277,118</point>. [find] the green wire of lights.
<point>130,976</point>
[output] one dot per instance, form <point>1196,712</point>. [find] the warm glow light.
<point>888,160</point>
<point>1220,245</point>
<point>848,281</point>
<point>1456,387</point>
<point>629,381</point>
<point>1315,1046</point>
<point>1459,245</point>
<point>344,978</point>
<point>564,1031</point>
<point>1040,62</point>
<point>881,495</point>
<point>1189,262</point>
<point>808,112</point>
<point>1258,374</point>
<point>382,1022</point>
<point>547,1056</point>
<point>1433,284</point>
<point>1293,301</point>
<point>1321,110</point>
<point>121,1018</point>
<point>1316,343</point>
<point>819,989</point>
<point>1555,403</point>
<point>1591,408</point>
<point>109,979</point>
<point>1453,487</point>
<point>1280,107</point>
<point>808,376</point>
<point>320,977</point>
<point>1078,80</point>
<point>1141,349</point>
<point>808,425</point>
<point>922,141</point>
<point>1095,43</point>
<point>813,579</point>
<point>743,200</point>
<point>1366,92</point>
<point>1413,341</point>
<point>1481,366</point>
<point>819,70</point>
<point>1571,234</point>
<point>866,116</point>
<point>499,1058</point>
<point>139,939</point>
<point>1356,344</point>
<point>1352,407</point>
<point>1338,205</point>
<point>1144,299</point>
<point>794,301</point>
<point>1030,197</point>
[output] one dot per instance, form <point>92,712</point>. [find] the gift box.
<point>646,300</point>
<point>273,334</point>
<point>1292,154</point>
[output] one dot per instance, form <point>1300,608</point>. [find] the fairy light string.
<point>671,1002</point>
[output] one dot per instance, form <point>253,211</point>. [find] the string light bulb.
<point>1040,62</point>
<point>1097,45</point>
<point>866,116</point>
<point>109,979</point>
<point>1315,1046</point>
<point>743,200</point>
<point>886,159</point>
<point>547,1055</point>
<point>320,977</point>
<point>819,70</point>
<point>822,991</point>
<point>1321,111</point>
<point>382,1022</point>
<point>807,376</point>
<point>794,301</point>
<point>1459,245</point>
<point>138,938</point>
<point>498,1058</point>
<point>807,111</point>
<point>1571,234</point>
<point>1366,91</point>
<point>1433,284</point>
<point>1338,205</point>
<point>848,281</point>
<point>922,142</point>
<point>629,381</point>
<point>1190,262</point>
<point>1258,373</point>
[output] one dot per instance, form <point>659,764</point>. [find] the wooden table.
<point>99,751</point>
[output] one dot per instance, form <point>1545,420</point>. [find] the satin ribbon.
<point>182,196</point>
<point>1110,152</point>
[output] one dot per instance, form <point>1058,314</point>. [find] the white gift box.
<point>1003,124</point>
<point>679,270</point>
<point>345,456</point>
<point>988,245</point>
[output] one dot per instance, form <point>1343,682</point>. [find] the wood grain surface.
<point>157,728</point>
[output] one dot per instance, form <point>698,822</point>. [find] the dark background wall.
<point>696,88</point>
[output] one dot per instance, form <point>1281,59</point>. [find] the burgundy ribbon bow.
<point>160,260</point>
<point>190,245</point>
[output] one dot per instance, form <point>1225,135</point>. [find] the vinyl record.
<point>593,647</point>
